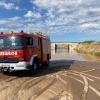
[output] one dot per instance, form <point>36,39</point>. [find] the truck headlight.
<point>1,65</point>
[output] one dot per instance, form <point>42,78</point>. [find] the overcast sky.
<point>62,20</point>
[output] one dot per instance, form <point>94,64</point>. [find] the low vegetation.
<point>90,46</point>
<point>88,42</point>
<point>97,54</point>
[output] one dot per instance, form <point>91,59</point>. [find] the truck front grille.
<point>9,60</point>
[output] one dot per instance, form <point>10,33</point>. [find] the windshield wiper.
<point>3,48</point>
<point>16,47</point>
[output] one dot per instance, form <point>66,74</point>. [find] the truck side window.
<point>36,41</point>
<point>29,41</point>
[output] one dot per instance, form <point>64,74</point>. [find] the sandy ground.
<point>61,80</point>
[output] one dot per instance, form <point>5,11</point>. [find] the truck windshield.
<point>11,42</point>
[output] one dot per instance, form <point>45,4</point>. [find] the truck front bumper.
<point>14,66</point>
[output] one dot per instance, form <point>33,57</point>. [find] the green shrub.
<point>88,42</point>
<point>97,54</point>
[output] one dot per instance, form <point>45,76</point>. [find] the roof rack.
<point>41,34</point>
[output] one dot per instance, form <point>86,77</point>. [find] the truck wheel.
<point>47,62</point>
<point>34,67</point>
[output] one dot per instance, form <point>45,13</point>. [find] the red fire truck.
<point>24,51</point>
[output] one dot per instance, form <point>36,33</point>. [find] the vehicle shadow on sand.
<point>54,66</point>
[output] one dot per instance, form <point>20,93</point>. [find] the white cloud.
<point>11,22</point>
<point>29,20</point>
<point>75,14</point>
<point>17,24</point>
<point>90,26</point>
<point>17,8</point>
<point>32,14</point>
<point>15,18</point>
<point>59,16</point>
<point>3,29</point>
<point>9,6</point>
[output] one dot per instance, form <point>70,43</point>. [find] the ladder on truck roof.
<point>42,35</point>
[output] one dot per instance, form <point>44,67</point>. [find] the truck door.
<point>29,48</point>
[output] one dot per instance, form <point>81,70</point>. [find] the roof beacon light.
<point>22,31</point>
<point>10,32</point>
<point>1,32</point>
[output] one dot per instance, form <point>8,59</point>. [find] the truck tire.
<point>47,62</point>
<point>34,67</point>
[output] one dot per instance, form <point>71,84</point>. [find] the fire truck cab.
<point>23,51</point>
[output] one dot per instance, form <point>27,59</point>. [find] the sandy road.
<point>62,80</point>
